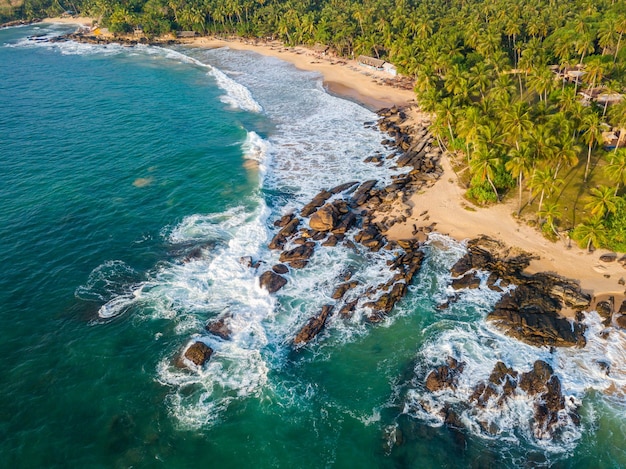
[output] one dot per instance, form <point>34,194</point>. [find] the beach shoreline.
<point>444,202</point>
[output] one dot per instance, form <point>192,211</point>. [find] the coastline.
<point>443,202</point>
<point>458,218</point>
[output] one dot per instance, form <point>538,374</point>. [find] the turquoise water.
<point>119,162</point>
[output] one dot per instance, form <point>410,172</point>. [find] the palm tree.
<point>603,201</point>
<point>592,133</point>
<point>516,121</point>
<point>445,111</point>
<point>541,81</point>
<point>566,153</point>
<point>590,232</point>
<point>550,214</point>
<point>483,166</point>
<point>470,121</point>
<point>616,169</point>
<point>542,182</point>
<point>520,165</point>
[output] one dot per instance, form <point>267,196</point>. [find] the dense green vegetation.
<point>488,69</point>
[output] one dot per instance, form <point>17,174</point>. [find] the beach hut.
<point>390,69</point>
<point>370,62</point>
<point>186,34</point>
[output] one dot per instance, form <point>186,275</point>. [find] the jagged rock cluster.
<point>503,384</point>
<point>357,214</point>
<point>531,311</point>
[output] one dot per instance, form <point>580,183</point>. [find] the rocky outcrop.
<point>271,281</point>
<point>198,353</point>
<point>531,314</point>
<point>289,224</point>
<point>444,376</point>
<point>313,326</point>
<point>343,288</point>
<point>531,311</point>
<point>324,219</point>
<point>298,257</point>
<point>221,327</point>
<point>504,383</point>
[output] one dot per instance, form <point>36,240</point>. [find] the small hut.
<point>186,34</point>
<point>370,62</point>
<point>390,69</point>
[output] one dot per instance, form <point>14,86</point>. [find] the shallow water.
<point>117,163</point>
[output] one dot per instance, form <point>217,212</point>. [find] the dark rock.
<point>348,309</point>
<point>271,281</point>
<point>317,202</point>
<point>621,321</point>
<point>284,220</point>
<point>534,381</point>
<point>362,194</point>
<point>343,187</point>
<point>444,376</point>
<point>386,301</point>
<point>500,373</point>
<point>331,241</point>
<point>529,314</point>
<point>221,327</point>
<point>296,256</point>
<point>470,280</point>
<point>199,353</point>
<point>313,327</point>
<point>280,269</point>
<point>346,221</point>
<point>453,419</point>
<point>605,309</point>
<point>343,288</point>
<point>279,240</point>
<point>611,257</point>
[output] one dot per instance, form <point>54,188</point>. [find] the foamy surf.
<point>462,333</point>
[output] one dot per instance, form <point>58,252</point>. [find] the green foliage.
<point>481,192</point>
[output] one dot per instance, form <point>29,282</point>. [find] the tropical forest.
<point>527,96</point>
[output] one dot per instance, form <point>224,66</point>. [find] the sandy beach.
<point>444,202</point>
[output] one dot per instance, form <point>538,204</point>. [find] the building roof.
<point>371,61</point>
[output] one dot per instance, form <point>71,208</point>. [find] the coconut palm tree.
<point>565,154</point>
<point>516,121</point>
<point>542,182</point>
<point>591,133</point>
<point>616,169</point>
<point>602,201</point>
<point>550,213</point>
<point>591,232</point>
<point>520,165</point>
<point>484,164</point>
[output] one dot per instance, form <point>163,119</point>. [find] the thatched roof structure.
<point>371,62</point>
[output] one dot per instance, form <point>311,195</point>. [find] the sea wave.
<point>461,332</point>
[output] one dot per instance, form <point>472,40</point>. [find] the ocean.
<point>134,180</point>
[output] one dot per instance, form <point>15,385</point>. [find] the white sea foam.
<point>480,345</point>
<point>237,95</point>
